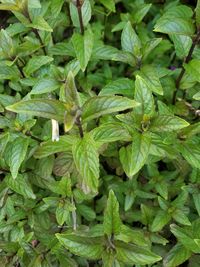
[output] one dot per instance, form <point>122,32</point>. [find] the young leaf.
<point>88,247</point>
<point>144,96</point>
<point>50,109</point>
<point>83,45</point>
<point>15,154</point>
<point>133,157</point>
<point>130,41</point>
<point>101,105</point>
<point>112,222</point>
<point>162,218</point>
<point>86,159</point>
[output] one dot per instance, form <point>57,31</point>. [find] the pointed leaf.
<point>132,254</point>
<point>15,154</point>
<point>35,63</point>
<point>144,96</point>
<point>130,41</point>
<point>48,148</point>
<point>20,185</point>
<point>101,105</point>
<point>45,85</point>
<point>86,160</point>
<point>176,256</point>
<point>50,109</point>
<point>133,157</point>
<point>112,222</point>
<point>87,247</point>
<point>166,123</point>
<point>83,45</point>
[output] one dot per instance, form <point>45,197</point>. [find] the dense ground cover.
<point>99,142</point>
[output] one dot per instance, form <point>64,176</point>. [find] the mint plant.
<point>99,141</point>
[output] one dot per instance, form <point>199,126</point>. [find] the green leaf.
<point>83,45</point>
<point>35,63</point>
<point>197,96</point>
<point>176,256</point>
<point>70,92</point>
<point>191,153</point>
<point>86,159</point>
<point>15,154</point>
<point>175,26</point>
<point>6,44</point>
<point>108,259</point>
<point>87,212</point>
<point>144,96</point>
<point>110,132</point>
<point>149,46</point>
<point>56,6</point>
<point>197,13</point>
<point>102,105</point>
<point>176,20</point>
<point>109,4</point>
<point>196,198</point>
<point>50,147</point>
<point>88,247</point>
<point>112,221</point>
<point>166,123</point>
<point>141,12</point>
<point>134,156</point>
<point>40,23</point>
<point>132,254</point>
<point>185,237</point>
<point>162,218</point>
<point>20,185</point>
<point>9,7</point>
<point>192,68</point>
<point>182,44</point>
<point>85,11</point>
<point>121,86</point>
<point>45,85</point>
<point>130,41</point>
<point>151,77</point>
<point>45,108</point>
<point>63,211</point>
<point>180,217</point>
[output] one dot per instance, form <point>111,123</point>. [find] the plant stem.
<point>20,70</point>
<point>187,60</point>
<point>40,40</point>
<point>78,6</point>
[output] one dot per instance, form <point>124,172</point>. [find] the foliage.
<point>99,142</point>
